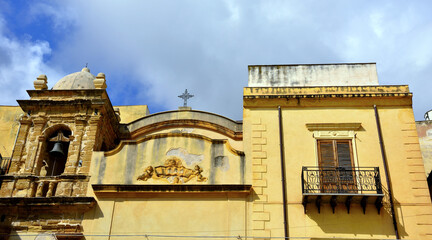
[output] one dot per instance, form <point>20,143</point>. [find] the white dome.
<point>78,80</point>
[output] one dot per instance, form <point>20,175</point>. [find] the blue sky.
<point>151,51</point>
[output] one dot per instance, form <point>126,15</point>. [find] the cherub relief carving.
<point>173,172</point>
<point>148,173</point>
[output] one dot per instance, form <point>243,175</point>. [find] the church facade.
<point>323,152</point>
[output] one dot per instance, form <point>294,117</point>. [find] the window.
<point>335,159</point>
<point>335,153</point>
<point>336,156</point>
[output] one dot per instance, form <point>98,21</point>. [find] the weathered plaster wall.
<point>221,164</point>
<point>236,144</point>
<point>424,130</point>
<point>313,75</point>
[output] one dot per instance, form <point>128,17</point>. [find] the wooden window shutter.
<point>344,153</point>
<point>326,154</point>
<point>335,153</point>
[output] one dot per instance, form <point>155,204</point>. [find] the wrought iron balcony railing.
<point>364,180</point>
<point>342,185</point>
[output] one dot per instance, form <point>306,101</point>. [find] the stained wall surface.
<point>221,164</point>
<point>424,130</point>
<point>313,75</point>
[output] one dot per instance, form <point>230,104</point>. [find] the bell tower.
<point>51,159</point>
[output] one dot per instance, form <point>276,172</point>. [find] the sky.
<point>151,51</point>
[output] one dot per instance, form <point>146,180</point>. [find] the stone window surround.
<point>332,131</point>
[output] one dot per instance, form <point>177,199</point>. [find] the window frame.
<point>334,143</point>
<point>335,131</point>
<point>335,135</point>
<point>334,176</point>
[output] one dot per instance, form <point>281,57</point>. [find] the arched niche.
<point>54,152</point>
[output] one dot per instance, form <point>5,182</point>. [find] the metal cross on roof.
<point>185,96</point>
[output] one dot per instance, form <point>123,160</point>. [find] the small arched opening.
<point>57,147</point>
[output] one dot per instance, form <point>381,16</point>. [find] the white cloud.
<point>159,48</point>
<point>21,61</point>
<point>62,15</point>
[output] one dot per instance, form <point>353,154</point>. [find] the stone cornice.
<point>172,188</point>
<point>327,92</point>
<point>331,95</point>
<point>35,204</point>
<point>35,177</point>
<point>332,126</point>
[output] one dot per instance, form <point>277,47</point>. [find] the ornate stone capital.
<point>25,120</point>
<point>39,120</point>
<point>95,119</point>
<point>81,119</point>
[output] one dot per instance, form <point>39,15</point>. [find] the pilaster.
<point>418,181</point>
<point>75,145</point>
<point>88,143</point>
<point>18,155</point>
<point>260,217</point>
<point>33,142</point>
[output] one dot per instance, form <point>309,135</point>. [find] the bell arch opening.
<point>56,151</point>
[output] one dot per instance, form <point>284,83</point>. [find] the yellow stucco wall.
<point>167,214</point>
<point>9,124</point>
<point>261,137</point>
<point>129,113</point>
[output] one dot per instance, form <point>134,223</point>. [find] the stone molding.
<point>332,126</point>
<point>166,135</point>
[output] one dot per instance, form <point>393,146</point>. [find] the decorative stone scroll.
<point>173,172</point>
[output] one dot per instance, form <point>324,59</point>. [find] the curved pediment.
<point>175,147</point>
<point>186,119</point>
<point>173,135</point>
<point>170,158</point>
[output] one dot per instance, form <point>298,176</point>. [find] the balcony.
<point>342,185</point>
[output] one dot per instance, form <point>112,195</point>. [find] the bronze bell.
<point>57,149</point>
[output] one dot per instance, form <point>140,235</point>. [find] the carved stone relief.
<point>173,172</point>
<point>333,134</point>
